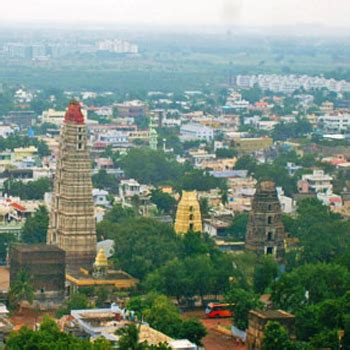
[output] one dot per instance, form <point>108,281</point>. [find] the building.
<point>51,116</point>
<point>130,109</point>
<point>101,276</point>
<point>23,119</point>
<point>188,214</point>
<point>288,204</point>
<point>72,220</point>
<point>251,145</point>
<point>334,124</point>
<point>100,197</point>
<point>317,182</point>
<point>265,230</point>
<point>258,321</point>
<point>45,264</point>
<point>189,132</point>
<point>216,227</point>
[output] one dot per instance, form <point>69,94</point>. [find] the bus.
<point>216,310</point>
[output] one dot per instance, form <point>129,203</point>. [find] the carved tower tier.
<point>72,220</point>
<point>265,230</point>
<point>188,214</point>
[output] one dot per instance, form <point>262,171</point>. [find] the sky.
<point>332,13</point>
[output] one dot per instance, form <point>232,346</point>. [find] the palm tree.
<point>22,289</point>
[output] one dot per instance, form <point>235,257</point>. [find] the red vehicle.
<point>215,310</point>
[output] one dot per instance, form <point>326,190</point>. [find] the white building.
<point>288,205</point>
<point>334,123</point>
<point>129,188</point>
<point>317,182</point>
<point>190,132</point>
<point>100,197</point>
<point>114,138</point>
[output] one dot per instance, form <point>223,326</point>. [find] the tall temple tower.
<point>265,230</point>
<point>72,220</point>
<point>188,214</point>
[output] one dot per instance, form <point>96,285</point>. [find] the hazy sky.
<point>202,12</point>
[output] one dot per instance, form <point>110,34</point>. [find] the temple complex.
<point>265,230</point>
<point>188,214</point>
<point>72,222</point>
<point>100,276</point>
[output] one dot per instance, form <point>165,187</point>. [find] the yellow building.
<point>24,152</point>
<point>188,214</point>
<point>101,276</point>
<point>250,145</point>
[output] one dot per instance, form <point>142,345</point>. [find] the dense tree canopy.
<point>35,227</point>
<point>28,190</point>
<point>50,337</point>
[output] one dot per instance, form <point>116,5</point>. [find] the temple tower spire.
<point>72,220</point>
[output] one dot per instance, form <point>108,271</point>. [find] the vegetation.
<point>35,227</point>
<point>161,314</point>
<point>49,336</point>
<point>21,290</point>
<point>31,190</point>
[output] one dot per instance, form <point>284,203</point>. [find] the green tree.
<point>164,201</point>
<point>238,228</point>
<point>103,180</point>
<point>142,245</point>
<point>129,338</point>
<point>50,337</point>
<point>35,227</point>
<point>242,302</point>
<point>21,290</point>
<point>325,340</point>
<point>117,214</point>
<point>30,190</point>
<point>163,316</point>
<point>102,296</point>
<point>193,330</point>
<point>265,273</point>
<point>276,337</point>
<point>77,301</point>
<point>310,284</point>
<point>6,239</point>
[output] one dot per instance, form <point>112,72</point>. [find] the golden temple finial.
<point>101,259</point>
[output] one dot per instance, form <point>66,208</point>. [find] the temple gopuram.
<point>72,221</point>
<point>188,214</point>
<point>265,230</point>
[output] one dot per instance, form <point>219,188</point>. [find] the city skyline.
<point>268,13</point>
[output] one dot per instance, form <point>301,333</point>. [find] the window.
<point>269,208</point>
<point>80,146</point>
<point>191,217</point>
<point>269,236</point>
<point>269,220</point>
<point>191,227</point>
<point>191,208</point>
<point>269,251</point>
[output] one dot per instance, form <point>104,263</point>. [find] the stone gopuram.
<point>72,220</point>
<point>188,214</point>
<point>265,230</point>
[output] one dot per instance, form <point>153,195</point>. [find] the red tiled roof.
<point>18,207</point>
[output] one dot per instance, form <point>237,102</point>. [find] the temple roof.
<point>74,113</point>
